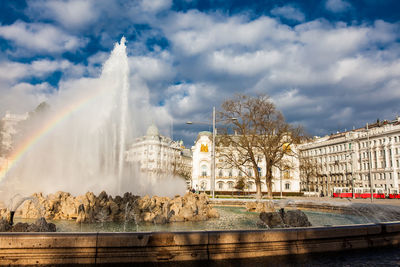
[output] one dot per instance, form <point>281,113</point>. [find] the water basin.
<point>231,218</point>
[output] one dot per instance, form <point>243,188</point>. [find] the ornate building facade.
<point>8,130</point>
<point>346,161</point>
<point>158,155</point>
<point>226,178</point>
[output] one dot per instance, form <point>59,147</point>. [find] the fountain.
<point>75,150</point>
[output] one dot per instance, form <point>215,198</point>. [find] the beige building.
<point>157,155</point>
<point>346,160</point>
<point>226,178</point>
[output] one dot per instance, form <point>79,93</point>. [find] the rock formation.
<point>282,218</point>
<point>88,208</point>
<point>267,206</point>
<point>39,226</point>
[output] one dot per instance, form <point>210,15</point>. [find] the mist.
<point>78,144</point>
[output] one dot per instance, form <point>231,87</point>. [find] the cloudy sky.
<point>328,64</point>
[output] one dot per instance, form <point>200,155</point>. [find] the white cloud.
<point>40,37</point>
<point>69,13</point>
<point>245,63</point>
<point>289,12</point>
<point>13,71</point>
<point>18,95</point>
<point>155,6</point>
<point>337,6</point>
<point>152,67</point>
<point>22,97</point>
<point>195,33</point>
<point>323,61</point>
<point>189,99</point>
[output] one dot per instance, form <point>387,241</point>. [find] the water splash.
<point>83,147</point>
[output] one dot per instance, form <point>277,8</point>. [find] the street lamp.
<point>213,150</point>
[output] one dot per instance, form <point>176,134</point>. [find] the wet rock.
<point>40,225</point>
<point>212,213</point>
<point>266,206</point>
<point>43,226</point>
<point>296,218</point>
<point>20,227</point>
<point>103,196</point>
<point>160,219</point>
<point>272,219</point>
<point>291,218</point>
<point>4,225</point>
<point>89,208</point>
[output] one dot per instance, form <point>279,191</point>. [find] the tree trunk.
<point>258,189</point>
<point>268,180</point>
<point>257,181</point>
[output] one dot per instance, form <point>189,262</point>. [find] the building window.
<point>220,185</point>
<point>287,186</point>
<point>230,173</point>
<point>203,170</point>
<point>220,173</point>
<point>230,185</point>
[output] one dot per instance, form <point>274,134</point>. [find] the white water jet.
<point>79,144</point>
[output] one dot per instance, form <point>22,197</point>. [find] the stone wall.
<point>179,247</point>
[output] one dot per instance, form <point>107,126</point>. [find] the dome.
<point>152,130</point>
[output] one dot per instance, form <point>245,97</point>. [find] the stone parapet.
<point>105,248</point>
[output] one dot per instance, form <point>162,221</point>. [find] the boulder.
<point>212,213</point>
<point>296,218</point>
<point>4,225</point>
<point>160,219</point>
<point>20,227</point>
<point>267,206</point>
<point>43,226</point>
<point>291,218</point>
<point>272,219</point>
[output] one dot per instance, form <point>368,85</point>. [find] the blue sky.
<point>328,65</point>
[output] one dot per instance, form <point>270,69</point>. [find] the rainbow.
<point>30,142</point>
<point>52,123</point>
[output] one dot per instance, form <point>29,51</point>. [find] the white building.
<point>158,155</point>
<point>8,131</point>
<point>346,159</point>
<point>226,178</point>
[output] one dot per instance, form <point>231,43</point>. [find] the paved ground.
<point>394,202</point>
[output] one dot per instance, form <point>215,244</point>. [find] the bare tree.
<point>260,133</point>
<point>180,168</point>
<point>310,172</point>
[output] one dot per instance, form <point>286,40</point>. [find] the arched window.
<point>230,185</point>
<point>220,174</point>
<point>220,185</point>
<point>203,170</point>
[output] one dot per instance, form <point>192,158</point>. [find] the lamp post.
<point>213,156</point>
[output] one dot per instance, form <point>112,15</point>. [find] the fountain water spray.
<point>77,145</point>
